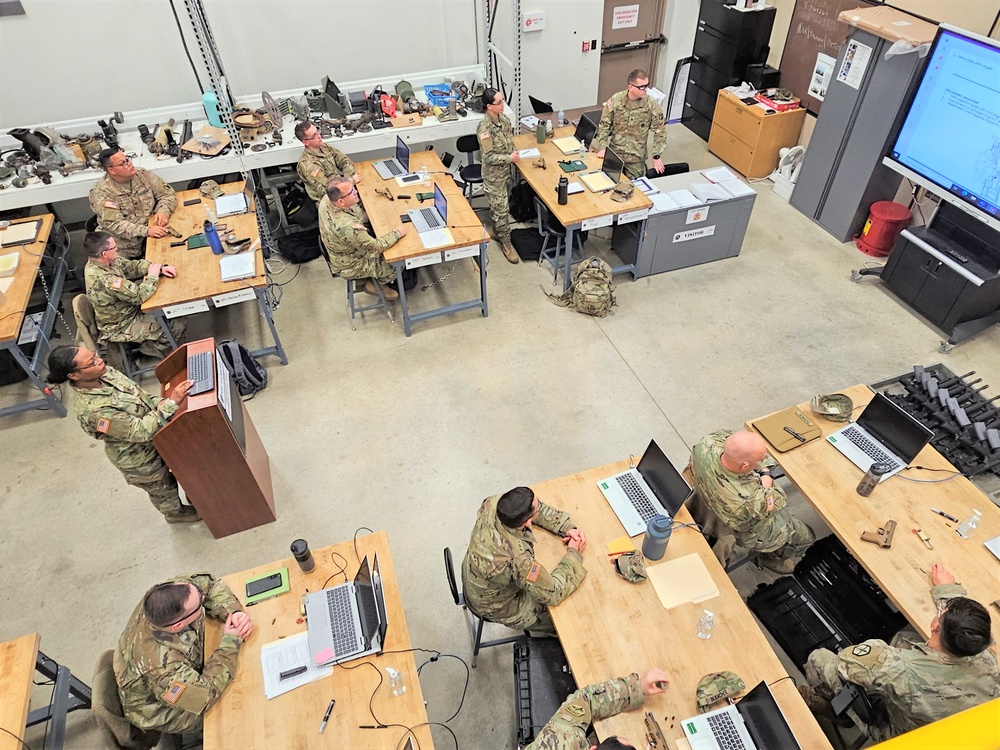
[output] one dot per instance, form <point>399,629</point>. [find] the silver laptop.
<point>347,621</point>
<point>233,204</point>
<point>755,723</point>
<point>654,487</point>
<point>396,167</point>
<point>883,434</point>
<point>239,266</point>
<point>431,218</point>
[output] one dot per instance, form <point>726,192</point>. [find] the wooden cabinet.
<point>748,138</point>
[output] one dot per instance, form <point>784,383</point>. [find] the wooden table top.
<point>246,719</point>
<point>581,206</point>
<point>17,669</point>
<point>198,270</point>
<point>465,226</point>
<point>15,300</point>
<point>609,627</point>
<point>829,481</point>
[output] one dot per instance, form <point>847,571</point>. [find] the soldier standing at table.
<point>321,162</point>
<point>626,122</point>
<point>125,198</point>
<point>496,141</point>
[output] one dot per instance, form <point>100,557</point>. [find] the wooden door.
<point>631,28</point>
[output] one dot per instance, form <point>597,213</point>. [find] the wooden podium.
<point>212,448</point>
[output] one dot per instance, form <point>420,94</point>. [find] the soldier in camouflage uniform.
<point>916,681</point>
<point>117,298</point>
<point>732,478</point>
<point>496,141</point>
<point>626,122</point>
<point>567,730</point>
<point>500,577</point>
<point>164,681</point>
<point>320,162</point>
<point>112,408</point>
<point>354,253</point>
<point>124,200</point>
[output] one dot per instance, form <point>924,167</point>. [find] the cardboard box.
<point>890,24</point>
<point>777,106</point>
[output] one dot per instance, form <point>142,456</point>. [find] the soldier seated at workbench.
<point>117,287</point>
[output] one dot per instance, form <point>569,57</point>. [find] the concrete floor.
<point>369,428</point>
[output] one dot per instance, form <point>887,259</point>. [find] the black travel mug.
<point>302,555</point>
<point>563,191</point>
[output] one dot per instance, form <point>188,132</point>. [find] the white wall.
<point>59,64</point>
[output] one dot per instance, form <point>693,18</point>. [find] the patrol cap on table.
<point>715,686</point>
<point>210,189</point>
<point>837,407</point>
<point>623,190</point>
<point>631,566</point>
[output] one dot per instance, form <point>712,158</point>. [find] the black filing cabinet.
<point>727,40</point>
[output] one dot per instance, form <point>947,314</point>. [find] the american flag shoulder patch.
<point>174,692</point>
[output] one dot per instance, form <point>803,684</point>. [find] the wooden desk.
<point>585,210</point>
<point>829,481</point>
<point>466,229</point>
<point>244,718</point>
<point>636,633</point>
<point>17,667</point>
<point>14,306</point>
<point>199,285</point>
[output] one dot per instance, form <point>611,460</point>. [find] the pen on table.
<point>949,516</point>
<point>376,726</point>
<point>795,435</point>
<point>618,554</point>
<point>326,716</point>
<point>292,672</point>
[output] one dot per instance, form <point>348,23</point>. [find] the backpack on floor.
<point>592,292</point>
<point>521,202</point>
<point>249,375</point>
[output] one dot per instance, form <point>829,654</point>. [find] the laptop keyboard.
<point>634,492</point>
<point>345,635</point>
<point>870,448</point>
<point>724,730</point>
<point>393,168</point>
<point>200,370</point>
<point>431,217</point>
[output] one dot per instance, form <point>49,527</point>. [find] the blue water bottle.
<point>213,238</point>
<point>654,544</point>
<point>211,104</point>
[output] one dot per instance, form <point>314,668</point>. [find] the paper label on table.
<point>630,216</point>
<point>231,298</point>
<point>529,153</point>
<point>696,214</point>
<point>222,393</point>
<point>625,17</point>
<point>597,221</point>
<point>682,581</point>
<point>461,252</point>
<point>187,308</point>
<point>693,234</point>
<point>284,655</point>
<point>29,328</point>
<point>621,544</point>
<point>423,260</point>
<point>852,70</point>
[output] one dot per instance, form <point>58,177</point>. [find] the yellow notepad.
<point>682,581</point>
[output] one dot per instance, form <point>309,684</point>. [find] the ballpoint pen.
<point>949,516</point>
<point>326,716</point>
<point>795,435</point>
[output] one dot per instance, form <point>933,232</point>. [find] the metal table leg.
<point>68,694</point>
<point>278,349</point>
<point>48,400</point>
<point>162,317</point>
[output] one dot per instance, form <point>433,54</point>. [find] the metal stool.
<point>381,304</point>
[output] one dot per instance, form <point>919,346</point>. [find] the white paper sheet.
<point>663,202</point>
<point>707,192</point>
<point>719,174</point>
<point>737,188</point>
<point>529,153</point>
<point>280,656</point>
<point>684,198</point>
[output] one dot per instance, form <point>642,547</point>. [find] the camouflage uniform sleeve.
<point>658,127</point>
<point>132,269</point>
<point>220,601</point>
<point>120,425</point>
<point>551,519</point>
<point>492,153</point>
<point>166,198</point>
<point>947,591</point>
<point>179,685</point>
<point>549,588</point>
<point>603,134</point>
<point>111,220</point>
<point>873,664</point>
<point>568,727</point>
<point>131,292</point>
<point>375,245</point>
<point>344,163</point>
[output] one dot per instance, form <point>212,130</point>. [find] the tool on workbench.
<point>924,538</point>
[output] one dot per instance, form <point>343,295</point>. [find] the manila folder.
<point>681,581</point>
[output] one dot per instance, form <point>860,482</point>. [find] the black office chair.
<point>852,702</point>
<point>539,107</point>
<point>472,173</point>
<point>550,229</point>
<point>474,621</point>
<point>677,167</point>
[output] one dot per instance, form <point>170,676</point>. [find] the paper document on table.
<point>682,581</point>
<point>529,153</point>
<point>5,284</point>
<point>737,188</point>
<point>289,653</point>
<point>645,186</point>
<point>684,198</point>
<point>436,238</point>
<point>707,192</point>
<point>718,174</point>
<point>663,202</point>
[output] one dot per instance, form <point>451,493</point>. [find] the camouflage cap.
<point>836,407</point>
<point>631,566</point>
<point>716,686</point>
<point>210,189</point>
<point>623,190</point>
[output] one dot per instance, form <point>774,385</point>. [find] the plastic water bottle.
<point>425,177</point>
<point>968,527</point>
<point>210,214</point>
<point>397,683</point>
<point>561,117</point>
<point>211,104</point>
<point>583,150</point>
<point>705,625</point>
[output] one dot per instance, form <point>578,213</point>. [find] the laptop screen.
<point>586,129</point>
<point>364,590</point>
<point>441,203</point>
<point>904,435</point>
<point>379,601</point>
<point>613,164</point>
<point>764,721</point>
<point>402,154</point>
<point>663,479</point>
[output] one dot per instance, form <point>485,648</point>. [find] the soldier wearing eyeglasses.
<point>626,122</point>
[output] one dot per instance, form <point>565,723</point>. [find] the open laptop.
<point>586,129</point>
<point>755,723</point>
<point>233,204</point>
<point>654,487</point>
<point>884,434</point>
<point>610,174</point>
<point>430,218</point>
<point>396,167</point>
<point>348,621</point>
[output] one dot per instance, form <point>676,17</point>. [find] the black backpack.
<point>250,377</point>
<point>522,202</point>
